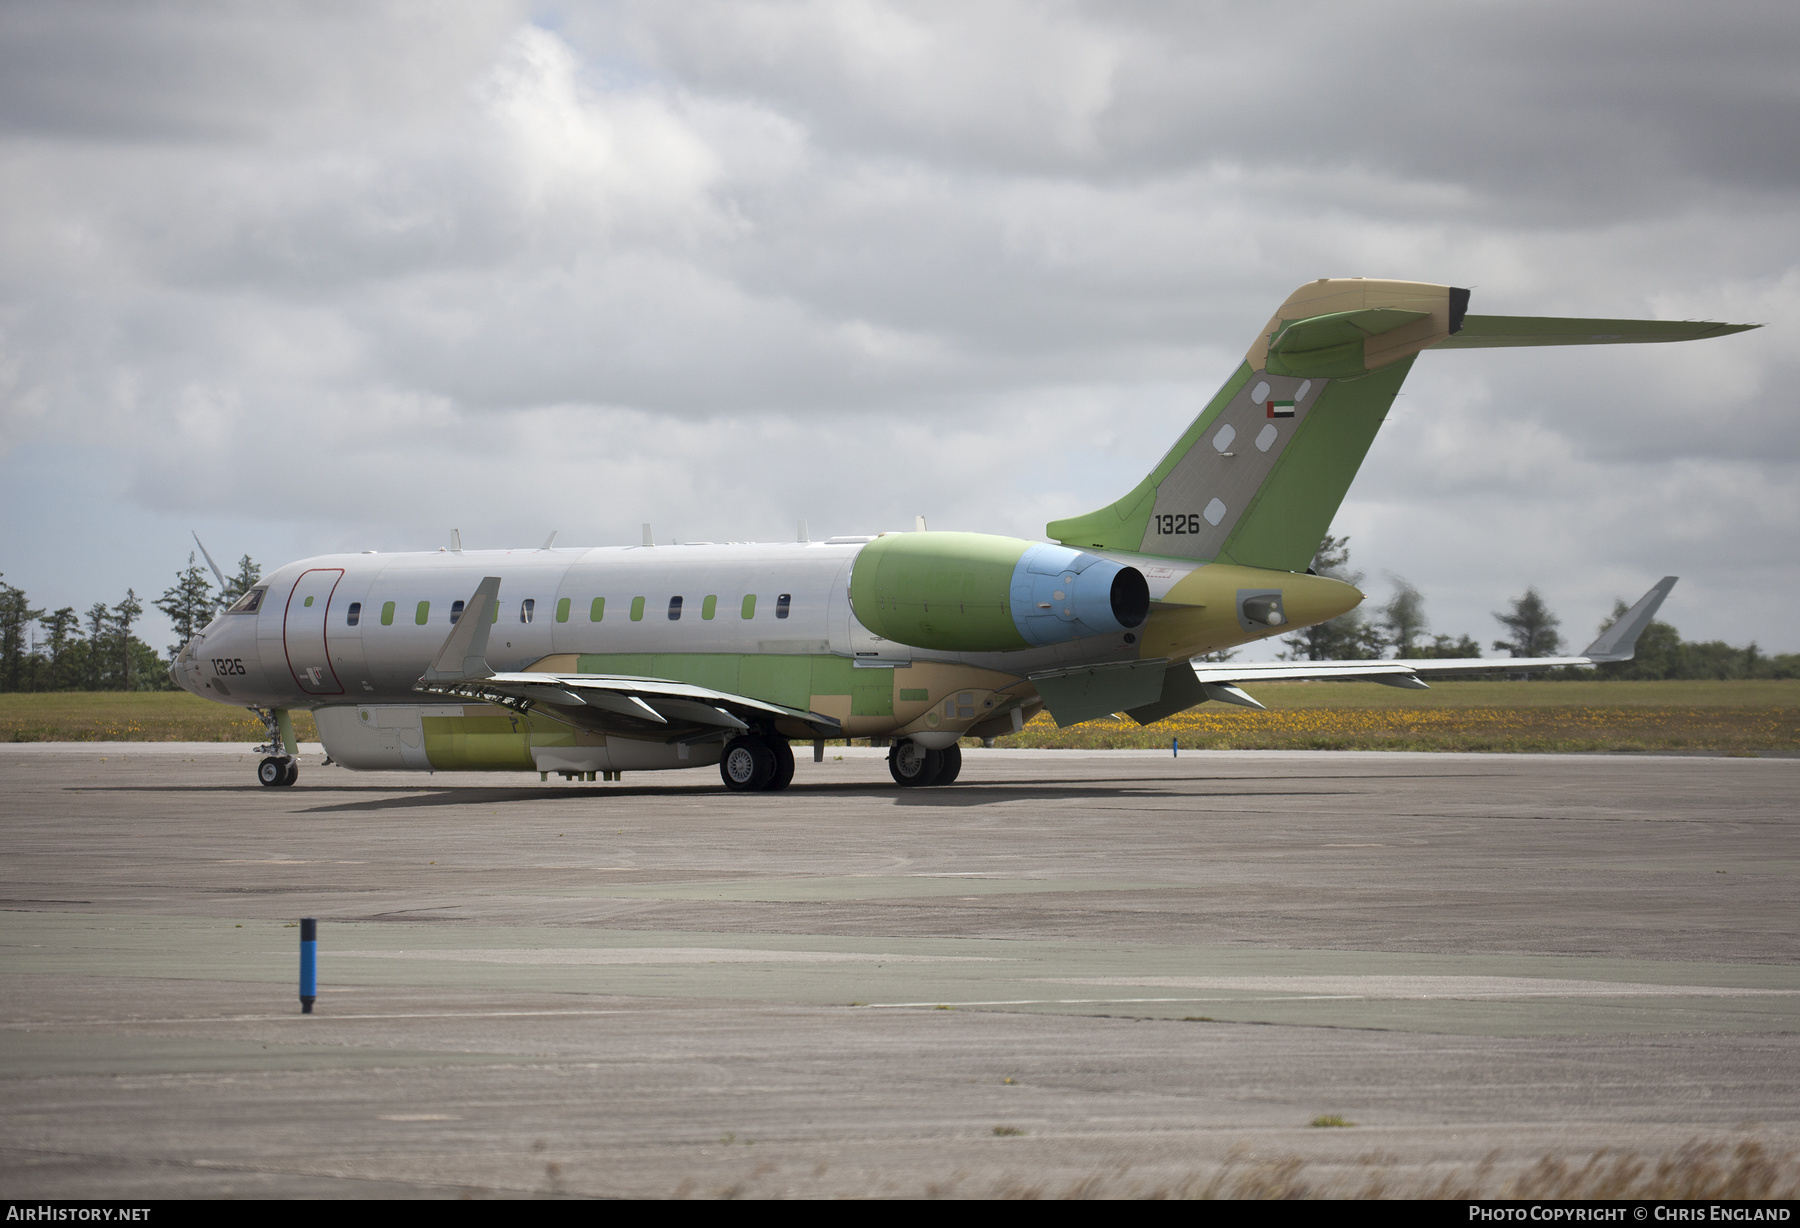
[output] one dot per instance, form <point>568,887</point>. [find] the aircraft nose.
<point>214,659</point>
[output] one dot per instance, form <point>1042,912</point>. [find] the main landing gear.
<point>755,763</point>
<point>280,769</point>
<point>913,766</point>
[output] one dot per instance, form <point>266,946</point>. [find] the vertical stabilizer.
<point>1258,476</point>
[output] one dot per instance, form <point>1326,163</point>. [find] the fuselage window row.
<point>784,604</point>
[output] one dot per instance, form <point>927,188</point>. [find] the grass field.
<point>132,716</point>
<point>1718,717</point>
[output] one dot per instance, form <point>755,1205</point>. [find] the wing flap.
<point>652,707</point>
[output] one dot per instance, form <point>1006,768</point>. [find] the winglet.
<point>464,654</point>
<point>1619,641</point>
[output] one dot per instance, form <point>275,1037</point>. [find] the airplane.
<point>588,663</point>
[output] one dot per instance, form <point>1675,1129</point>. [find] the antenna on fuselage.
<point>209,560</point>
<point>649,539</point>
<point>802,533</point>
<point>456,541</point>
<point>549,540</point>
<point>918,524</point>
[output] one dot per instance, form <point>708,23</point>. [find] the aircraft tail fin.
<point>1619,641</point>
<point>464,654</point>
<point>1258,475</point>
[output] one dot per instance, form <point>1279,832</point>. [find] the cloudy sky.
<point>317,277</point>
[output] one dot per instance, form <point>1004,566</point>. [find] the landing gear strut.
<point>280,768</point>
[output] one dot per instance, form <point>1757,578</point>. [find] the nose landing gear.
<point>277,772</point>
<point>282,767</point>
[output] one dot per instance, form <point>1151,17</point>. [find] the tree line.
<point>1531,629</point>
<point>63,650</point>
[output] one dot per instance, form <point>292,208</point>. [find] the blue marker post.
<point>1174,748</point>
<point>309,963</point>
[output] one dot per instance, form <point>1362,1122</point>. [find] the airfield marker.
<point>1174,748</point>
<point>309,963</point>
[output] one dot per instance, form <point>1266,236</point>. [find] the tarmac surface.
<point>1109,972</point>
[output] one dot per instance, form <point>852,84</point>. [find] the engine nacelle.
<point>973,592</point>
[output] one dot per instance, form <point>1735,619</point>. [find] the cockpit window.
<point>249,603</point>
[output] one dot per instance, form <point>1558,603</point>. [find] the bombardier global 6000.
<point>591,662</point>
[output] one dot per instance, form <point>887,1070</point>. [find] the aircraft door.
<point>304,631</point>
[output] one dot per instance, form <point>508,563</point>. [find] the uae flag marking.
<point>1281,409</point>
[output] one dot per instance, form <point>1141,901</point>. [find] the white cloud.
<point>347,279</point>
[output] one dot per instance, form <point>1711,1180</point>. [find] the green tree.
<point>1348,637</point>
<point>1533,627</point>
<point>189,604</point>
<point>62,635</point>
<point>124,615</point>
<point>1403,617</point>
<point>1442,648</point>
<point>16,616</point>
<point>99,644</point>
<point>248,573</point>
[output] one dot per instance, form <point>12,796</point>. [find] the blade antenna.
<point>209,560</point>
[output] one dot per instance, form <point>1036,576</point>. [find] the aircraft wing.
<point>1221,680</point>
<point>645,707</point>
<point>658,708</point>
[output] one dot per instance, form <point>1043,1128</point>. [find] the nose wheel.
<point>277,773</point>
<point>281,768</point>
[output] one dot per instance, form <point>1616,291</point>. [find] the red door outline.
<point>319,687</point>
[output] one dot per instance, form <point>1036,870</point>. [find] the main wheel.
<point>293,772</point>
<point>271,772</point>
<point>952,765</point>
<point>747,765</point>
<point>784,763</point>
<point>912,766</point>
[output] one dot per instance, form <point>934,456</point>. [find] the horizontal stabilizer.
<point>1489,332</point>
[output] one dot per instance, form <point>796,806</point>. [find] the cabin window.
<point>637,609</point>
<point>707,607</point>
<point>597,611</point>
<point>248,603</point>
<point>782,603</point>
<point>353,615</point>
<point>456,609</point>
<point>562,610</point>
<point>423,615</point>
<point>674,609</point>
<point>750,606</point>
<point>527,609</point>
<point>387,613</point>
